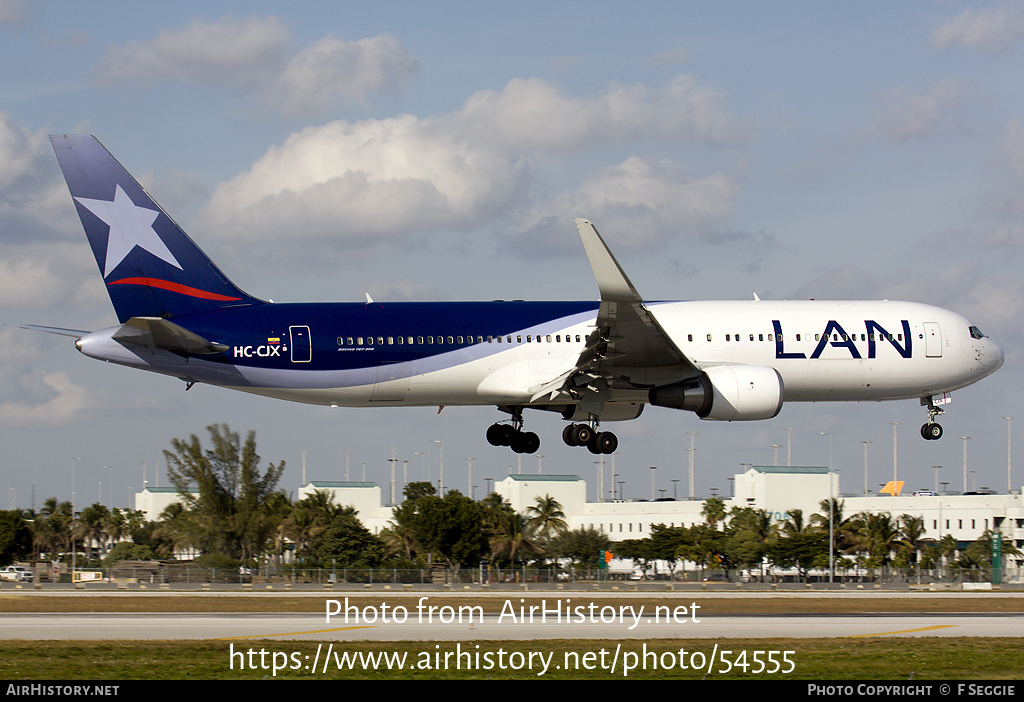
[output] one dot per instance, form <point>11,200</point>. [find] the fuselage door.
<point>932,340</point>
<point>301,349</point>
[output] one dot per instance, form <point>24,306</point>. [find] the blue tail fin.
<point>149,265</point>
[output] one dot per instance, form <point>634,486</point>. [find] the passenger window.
<point>451,339</point>
<point>689,337</point>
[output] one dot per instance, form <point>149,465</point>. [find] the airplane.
<point>591,361</point>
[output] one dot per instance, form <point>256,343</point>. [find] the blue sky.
<point>320,151</point>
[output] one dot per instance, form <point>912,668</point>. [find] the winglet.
<point>611,279</point>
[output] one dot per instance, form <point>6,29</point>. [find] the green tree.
<point>876,535</point>
<point>583,546</point>
<point>231,512</point>
<point>52,532</point>
<point>127,551</point>
<point>450,527</point>
<point>91,527</point>
<point>713,511</point>
<point>346,543</point>
<point>15,537</point>
<point>546,516</point>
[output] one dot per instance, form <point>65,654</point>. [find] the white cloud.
<point>53,400</point>
<point>992,30</point>
<point>533,114</point>
<point>638,203</point>
<point>357,183</point>
<point>905,115</point>
<point>332,69</point>
<point>13,11</point>
<point>255,56</point>
<point>1010,154</point>
<point>364,181</point>
<point>226,52</point>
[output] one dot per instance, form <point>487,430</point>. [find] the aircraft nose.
<point>993,356</point>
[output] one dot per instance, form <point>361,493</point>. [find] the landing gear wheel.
<point>931,431</point>
<point>525,442</point>
<point>500,434</point>
<point>568,435</point>
<point>606,442</point>
<point>583,434</point>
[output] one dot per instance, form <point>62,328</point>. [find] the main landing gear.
<point>512,435</point>
<point>589,436</point>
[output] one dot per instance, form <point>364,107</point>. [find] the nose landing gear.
<point>932,430</point>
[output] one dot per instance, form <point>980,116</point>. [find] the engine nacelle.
<point>727,393</point>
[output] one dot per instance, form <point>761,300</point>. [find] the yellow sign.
<point>893,487</point>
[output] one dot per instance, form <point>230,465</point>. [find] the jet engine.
<point>727,393</point>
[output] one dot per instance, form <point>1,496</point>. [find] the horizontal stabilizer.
<point>73,333</point>
<point>157,333</point>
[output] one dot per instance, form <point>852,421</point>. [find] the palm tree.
<point>52,531</point>
<point>713,511</point>
<point>511,537</point>
<point>546,515</point>
<point>876,535</point>
<point>911,533</point>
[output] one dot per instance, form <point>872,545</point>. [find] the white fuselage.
<point>823,351</point>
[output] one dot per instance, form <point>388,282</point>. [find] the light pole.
<point>965,439</point>
<point>74,548</point>
<point>692,450</point>
<point>789,446</point>
<point>469,482</point>
<point>1009,454</point>
<point>653,468</point>
<point>441,483</point>
<point>894,425</point>
<point>865,467</point>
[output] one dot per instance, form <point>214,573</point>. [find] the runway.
<point>291,627</point>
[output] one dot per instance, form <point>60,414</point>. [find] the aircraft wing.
<point>154,332</point>
<point>628,349</point>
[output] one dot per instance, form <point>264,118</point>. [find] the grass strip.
<point>928,658</point>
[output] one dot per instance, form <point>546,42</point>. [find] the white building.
<point>154,500</point>
<point>364,498</point>
<point>777,489</point>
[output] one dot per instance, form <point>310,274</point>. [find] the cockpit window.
<point>976,333</point>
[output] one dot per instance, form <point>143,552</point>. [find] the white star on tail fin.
<point>130,226</point>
